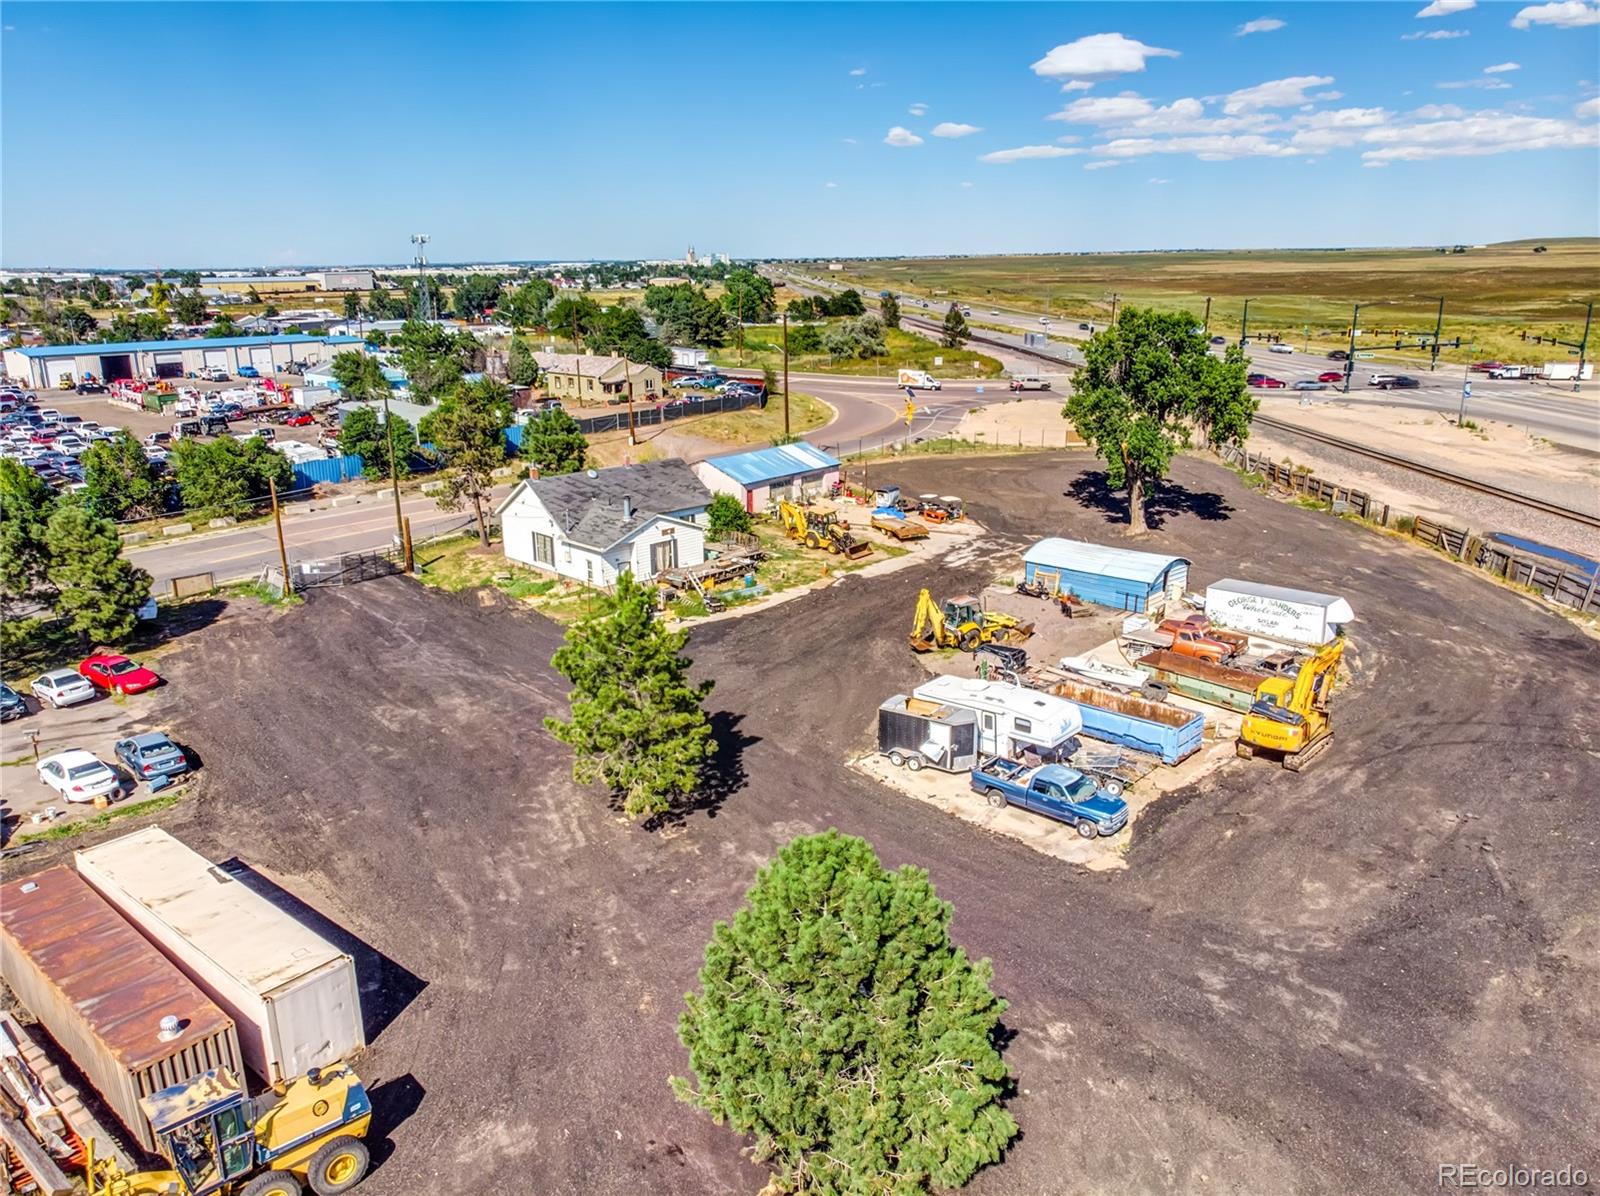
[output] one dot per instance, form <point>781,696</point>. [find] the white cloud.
<point>1104,110</point>
<point>1476,135</point>
<point>901,137</point>
<point>1098,56</point>
<point>1068,138</point>
<point>1076,85</point>
<point>1328,95</point>
<point>967,183</point>
<point>1025,152</point>
<point>1210,147</point>
<point>1588,107</point>
<point>1437,112</point>
<point>1482,84</point>
<point>830,184</point>
<point>858,72</point>
<point>1344,118</point>
<point>952,128</point>
<point>918,109</point>
<point>1259,25</point>
<point>1101,164</point>
<point>849,140</point>
<point>1501,68</point>
<point>1278,93</point>
<point>1435,35</point>
<point>1161,182</point>
<point>1564,14</point>
<point>1443,8</point>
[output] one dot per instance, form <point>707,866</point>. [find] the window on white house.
<point>544,549</point>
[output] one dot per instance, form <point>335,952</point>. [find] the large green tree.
<point>1148,382</point>
<point>525,306</point>
<point>223,476</point>
<point>435,359</point>
<point>955,332</point>
<point>521,367</point>
<point>476,295</point>
<point>189,307</point>
<point>573,316</point>
<point>468,430</point>
<point>686,315</point>
<point>366,434</point>
<point>554,442</point>
<point>860,336</point>
<point>122,482</point>
<point>889,311</point>
<point>637,721</point>
<point>97,592</point>
<point>838,1026</point>
<point>748,298</point>
<point>727,514</point>
<point>25,507</point>
<point>845,303</point>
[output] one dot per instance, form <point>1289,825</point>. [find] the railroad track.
<point>976,338</point>
<point>1455,479</point>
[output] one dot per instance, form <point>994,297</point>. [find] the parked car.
<point>151,754</point>
<point>12,704</point>
<point>1397,382</point>
<point>1268,383</point>
<point>73,446</point>
<point>300,419</point>
<point>91,388</point>
<point>212,374</point>
<point>1483,367</point>
<point>78,775</point>
<point>249,371</point>
<point>62,687</point>
<point>1337,355</point>
<point>1310,384</point>
<point>1053,790</point>
<point>1330,376</point>
<point>158,439</point>
<point>1280,348</point>
<point>118,674</point>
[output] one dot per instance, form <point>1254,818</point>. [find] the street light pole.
<point>1350,355</point>
<point>1205,324</point>
<point>1583,348</point>
<point>1244,325</point>
<point>1438,331</point>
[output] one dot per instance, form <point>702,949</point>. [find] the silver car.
<point>62,687</point>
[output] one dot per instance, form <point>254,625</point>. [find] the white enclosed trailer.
<point>1276,612</point>
<point>292,994</point>
<point>1012,720</point>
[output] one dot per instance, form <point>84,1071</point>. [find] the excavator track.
<point>1296,761</point>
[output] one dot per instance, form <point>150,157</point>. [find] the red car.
<point>118,674</point>
<point>1330,376</point>
<point>301,420</point>
<point>1483,367</point>
<point>1272,383</point>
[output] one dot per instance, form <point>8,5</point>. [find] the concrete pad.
<point>135,537</point>
<point>225,521</point>
<point>177,529</point>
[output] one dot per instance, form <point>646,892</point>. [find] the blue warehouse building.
<point>1143,582</point>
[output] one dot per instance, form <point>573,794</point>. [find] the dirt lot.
<point>1316,983</point>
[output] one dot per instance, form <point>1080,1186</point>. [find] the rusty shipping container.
<point>1220,685</point>
<point>103,992</point>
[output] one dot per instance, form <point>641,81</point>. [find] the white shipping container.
<point>1278,613</point>
<point>292,994</point>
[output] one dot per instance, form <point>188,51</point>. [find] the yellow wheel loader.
<point>222,1142</point>
<point>1289,717</point>
<point>963,624</point>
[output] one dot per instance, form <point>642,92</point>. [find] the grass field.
<point>759,426</point>
<point>763,346</point>
<point>1493,295</point>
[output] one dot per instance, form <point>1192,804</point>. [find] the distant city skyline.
<point>974,129</point>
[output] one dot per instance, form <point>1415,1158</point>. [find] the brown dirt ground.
<point>1317,983</point>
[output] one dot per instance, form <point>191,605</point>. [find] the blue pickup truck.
<point>1053,790</point>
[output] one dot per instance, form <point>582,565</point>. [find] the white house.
<point>591,526</point>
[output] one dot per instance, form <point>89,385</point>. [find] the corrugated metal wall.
<point>330,471</point>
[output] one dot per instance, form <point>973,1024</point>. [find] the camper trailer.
<point>914,732</point>
<point>1012,721</point>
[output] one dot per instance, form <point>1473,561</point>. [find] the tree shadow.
<point>386,988</point>
<point>1165,499</point>
<point>723,775</point>
<point>393,1101</point>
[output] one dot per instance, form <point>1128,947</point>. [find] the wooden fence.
<point>1570,586</point>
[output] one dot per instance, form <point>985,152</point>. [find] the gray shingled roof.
<point>590,509</point>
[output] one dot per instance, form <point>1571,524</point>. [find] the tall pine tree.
<point>889,311</point>
<point>97,591</point>
<point>955,331</point>
<point>838,1025</point>
<point>637,722</point>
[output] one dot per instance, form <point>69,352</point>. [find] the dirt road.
<point>1315,983</point>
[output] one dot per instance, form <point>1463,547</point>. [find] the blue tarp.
<point>1590,568</point>
<point>332,470</point>
<point>1170,743</point>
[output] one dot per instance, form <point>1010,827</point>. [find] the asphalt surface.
<point>1325,982</point>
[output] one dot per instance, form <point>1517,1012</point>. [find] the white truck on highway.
<point>919,380</point>
<point>1567,371</point>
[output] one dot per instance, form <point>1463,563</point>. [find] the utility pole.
<point>1205,324</point>
<point>1581,346</point>
<point>785,376</point>
<point>394,476</point>
<point>283,553</point>
<point>1113,307</point>
<point>1438,331</point>
<point>1244,325</point>
<point>627,375</point>
<point>1350,354</point>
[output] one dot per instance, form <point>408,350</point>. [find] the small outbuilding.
<point>762,476</point>
<point>1143,582</point>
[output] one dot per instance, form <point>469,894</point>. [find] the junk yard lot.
<point>1300,981</point>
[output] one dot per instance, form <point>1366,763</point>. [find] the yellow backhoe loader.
<point>1289,717</point>
<point>963,624</point>
<point>818,530</point>
<point>221,1142</point>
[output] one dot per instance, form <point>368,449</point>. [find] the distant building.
<point>688,358</point>
<point>46,366</point>
<point>592,379</point>
<point>317,280</point>
<point>594,525</point>
<point>762,476</point>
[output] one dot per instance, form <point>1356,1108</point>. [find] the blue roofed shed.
<point>1145,582</point>
<point>762,476</point>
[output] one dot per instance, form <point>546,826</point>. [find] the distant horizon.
<point>444,267</point>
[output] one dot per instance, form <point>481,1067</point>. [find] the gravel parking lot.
<point>1315,983</point>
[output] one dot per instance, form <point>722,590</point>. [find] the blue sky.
<point>326,133</point>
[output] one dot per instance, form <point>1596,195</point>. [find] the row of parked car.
<point>51,443</point>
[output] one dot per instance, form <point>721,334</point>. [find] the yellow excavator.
<point>1289,717</point>
<point>816,529</point>
<point>221,1142</point>
<point>964,624</point>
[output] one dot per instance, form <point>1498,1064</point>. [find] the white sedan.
<point>62,687</point>
<point>79,775</point>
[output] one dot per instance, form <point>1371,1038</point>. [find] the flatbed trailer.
<point>899,528</point>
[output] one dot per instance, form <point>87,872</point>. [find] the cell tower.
<point>420,260</point>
